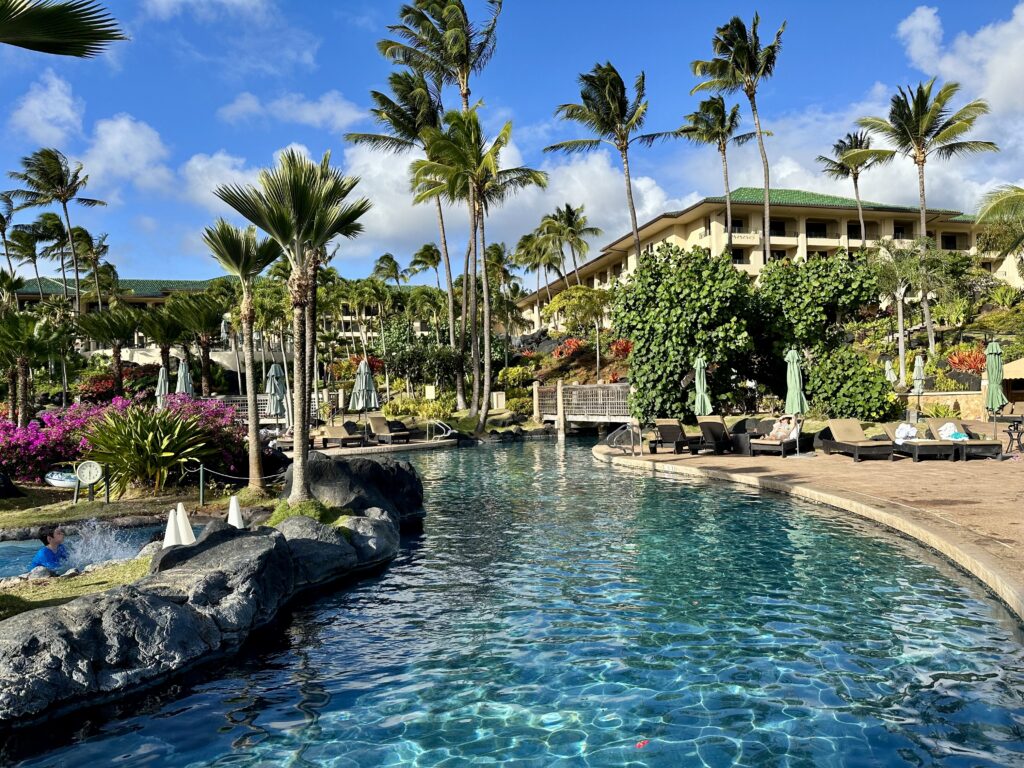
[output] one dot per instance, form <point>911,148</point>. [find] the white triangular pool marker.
<point>171,535</point>
<point>184,526</point>
<point>235,513</point>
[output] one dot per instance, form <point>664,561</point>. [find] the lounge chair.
<point>715,434</point>
<point>917,447</point>
<point>344,434</point>
<point>782,447</point>
<point>973,446</point>
<point>384,433</point>
<point>847,436</point>
<point>671,432</point>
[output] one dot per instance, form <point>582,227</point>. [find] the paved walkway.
<point>972,512</point>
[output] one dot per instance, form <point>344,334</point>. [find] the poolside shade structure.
<point>172,537</point>
<point>185,534</point>
<point>184,386</point>
<point>795,400</point>
<point>995,400</point>
<point>918,379</point>
<point>274,389</point>
<point>235,513</point>
<point>701,401</point>
<point>364,392</point>
<point>163,387</point>
<point>890,373</point>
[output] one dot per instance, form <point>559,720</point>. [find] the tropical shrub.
<point>515,376</point>
<point>968,361</point>
<point>842,383</point>
<point>941,411</point>
<point>401,405</point>
<point>520,406</point>
<point>943,382</point>
<point>142,446</point>
<point>1005,296</point>
<point>567,348</point>
<point>98,386</point>
<point>580,308</point>
<point>678,304</point>
<point>440,408</point>
<point>620,348</point>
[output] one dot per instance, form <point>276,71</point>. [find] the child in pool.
<point>53,553</point>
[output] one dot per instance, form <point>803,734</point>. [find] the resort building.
<point>803,224</point>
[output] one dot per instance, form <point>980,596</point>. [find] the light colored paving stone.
<point>971,512</point>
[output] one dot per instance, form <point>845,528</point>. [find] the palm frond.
<point>80,28</point>
<point>576,145</point>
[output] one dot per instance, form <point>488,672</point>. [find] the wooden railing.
<point>582,402</point>
<point>263,404</point>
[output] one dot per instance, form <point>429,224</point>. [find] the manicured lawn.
<point>43,592</point>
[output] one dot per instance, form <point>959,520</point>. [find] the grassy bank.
<point>29,595</point>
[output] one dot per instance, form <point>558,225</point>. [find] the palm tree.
<point>714,125</point>
<point>202,315</point>
<point>386,268</point>
<point>164,329</point>
<point>24,245</point>
<point>6,212</point>
<point>25,339</point>
<point>840,166</point>
<point>894,268</point>
<point>302,206</point>
<point>920,125</point>
<point>10,285</point>
<point>240,253</point>
<point>439,40</point>
<point>567,226</point>
<point>81,28</point>
<point>466,166</point>
<point>92,250</point>
<point>116,328</point>
<point>49,178</point>
<point>534,253</point>
<point>740,63</point>
<point>610,114</point>
<point>427,257</point>
<point>50,229</point>
<point>1004,206</point>
<point>416,105</point>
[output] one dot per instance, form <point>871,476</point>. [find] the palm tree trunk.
<point>205,377</point>
<point>901,341</point>
<point>474,404</point>
<point>63,273</point>
<point>74,259</point>
<point>96,279</point>
<point>860,209</point>
<point>252,412</point>
<point>310,344</point>
<point>12,394</point>
<point>597,348</point>
<point>766,237</point>
<point>575,266</point>
<point>39,284</point>
<point>165,357</point>
<point>300,416</point>
<point>485,403</point>
<point>384,352</point>
<point>118,367</point>
<point>284,367</point>
<point>925,303</point>
<point>728,201</point>
<point>629,199</point>
<point>23,392</point>
<point>447,272</point>
<point>7,253</point>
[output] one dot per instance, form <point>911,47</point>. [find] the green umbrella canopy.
<point>795,400</point>
<point>994,397</point>
<point>364,393</point>
<point>702,403</point>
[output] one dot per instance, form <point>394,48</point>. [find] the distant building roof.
<point>799,197</point>
<point>148,289</point>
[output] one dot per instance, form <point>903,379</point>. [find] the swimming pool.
<point>558,612</point>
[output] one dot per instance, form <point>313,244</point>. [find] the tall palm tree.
<point>242,254</point>
<point>1004,205</point>
<point>740,63</point>
<point>202,315</point>
<point>50,229</point>
<point>116,328</point>
<point>921,125</point>
<point>24,246</point>
<point>302,206</point>
<point>48,177</point>
<point>714,125</point>
<point>567,226</point>
<point>415,105</point>
<point>163,328</point>
<point>25,339</point>
<point>610,114</point>
<point>466,166</point>
<point>894,268</point>
<point>840,166</point>
<point>386,268</point>
<point>533,253</point>
<point>427,257</point>
<point>6,213</point>
<point>437,38</point>
<point>81,28</point>
<point>92,250</point>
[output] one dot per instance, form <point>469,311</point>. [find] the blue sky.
<point>207,91</point>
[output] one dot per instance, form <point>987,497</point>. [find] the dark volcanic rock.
<point>374,536</point>
<point>320,553</point>
<point>361,483</point>
<point>8,490</point>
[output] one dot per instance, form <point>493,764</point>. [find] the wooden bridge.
<point>581,404</point>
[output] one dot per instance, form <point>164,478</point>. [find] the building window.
<point>899,231</point>
<point>777,255</point>
<point>738,226</point>
<point>777,229</point>
<point>739,256</point>
<point>816,229</point>
<point>949,242</point>
<point>853,231</point>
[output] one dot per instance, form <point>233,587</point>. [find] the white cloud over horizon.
<point>48,113</point>
<point>123,150</point>
<point>331,112</point>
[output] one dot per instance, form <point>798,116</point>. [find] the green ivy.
<point>843,383</point>
<point>676,305</point>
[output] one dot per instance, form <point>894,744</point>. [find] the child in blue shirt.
<point>53,553</point>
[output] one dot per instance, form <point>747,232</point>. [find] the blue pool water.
<point>93,543</point>
<point>558,613</point>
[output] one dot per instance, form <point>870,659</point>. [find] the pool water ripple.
<point>556,612</point>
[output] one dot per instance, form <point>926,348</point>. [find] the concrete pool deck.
<point>971,512</point>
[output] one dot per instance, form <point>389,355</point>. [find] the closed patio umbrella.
<point>364,392</point>
<point>701,402</point>
<point>274,389</point>
<point>918,379</point>
<point>795,400</point>
<point>890,373</point>
<point>995,400</point>
<point>184,386</point>
<point>163,387</point>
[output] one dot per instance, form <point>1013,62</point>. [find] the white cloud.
<point>124,149</point>
<point>201,174</point>
<point>49,113</point>
<point>331,112</point>
<point>166,9</point>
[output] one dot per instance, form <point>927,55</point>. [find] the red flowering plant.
<point>219,421</point>
<point>375,363</point>
<point>620,348</point>
<point>968,361</point>
<point>567,348</point>
<point>99,387</point>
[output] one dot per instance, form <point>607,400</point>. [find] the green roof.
<point>53,286</point>
<point>964,218</point>
<point>801,198</point>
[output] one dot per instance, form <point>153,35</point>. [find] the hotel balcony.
<point>822,236</point>
<point>744,236</point>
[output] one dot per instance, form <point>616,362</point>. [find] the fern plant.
<point>1005,296</point>
<point>141,446</point>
